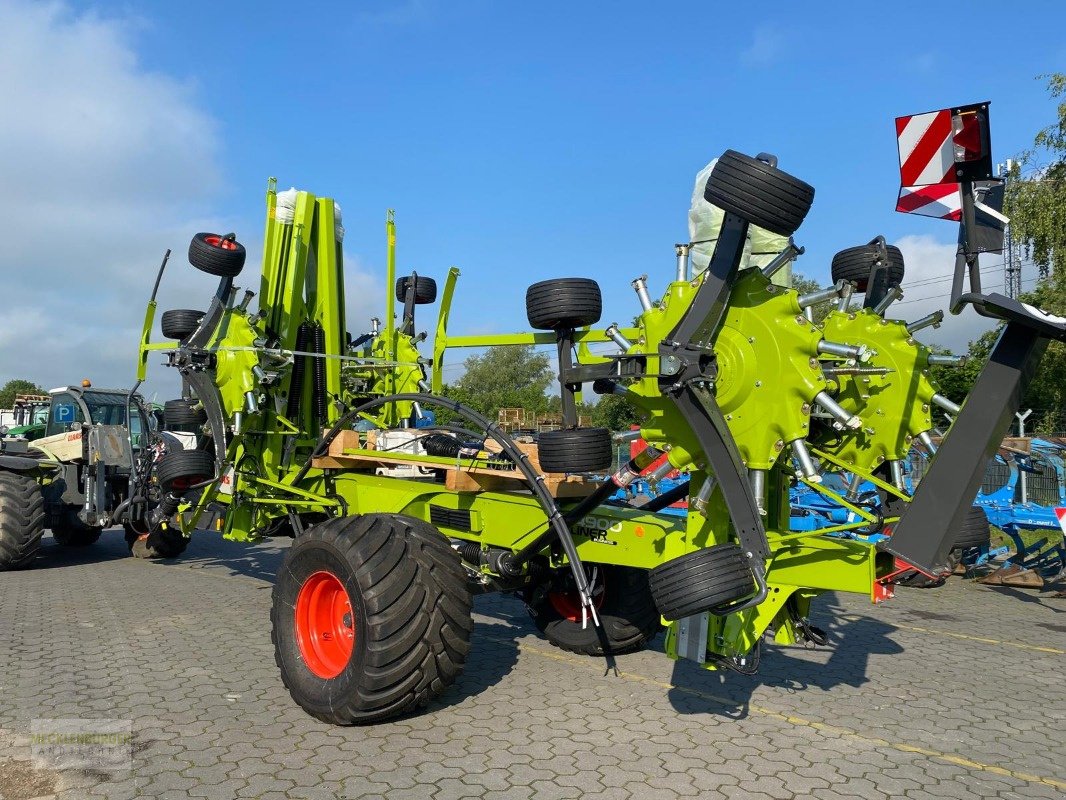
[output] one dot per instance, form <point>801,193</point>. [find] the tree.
<point>1036,201</point>
<point>504,377</point>
<point>17,386</point>
<point>615,413</point>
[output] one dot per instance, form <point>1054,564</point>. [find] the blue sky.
<point>522,142</point>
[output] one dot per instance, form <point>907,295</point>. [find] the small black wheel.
<point>22,517</point>
<point>623,602</point>
<point>975,530</point>
<point>425,290</point>
<point>68,530</point>
<point>217,255</point>
<point>575,450</point>
<point>563,304</point>
<point>854,264</point>
<point>179,413</point>
<point>371,618</point>
<point>701,581</point>
<point>763,195</point>
<point>179,323</point>
<point>180,469</point>
<point>167,543</point>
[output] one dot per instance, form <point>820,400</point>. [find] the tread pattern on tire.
<point>701,581</point>
<point>425,289</point>
<point>975,530</point>
<point>575,450</point>
<point>412,608</point>
<point>628,615</point>
<point>765,196</point>
<point>180,412</point>
<point>564,303</point>
<point>179,323</point>
<point>214,260</point>
<point>179,464</point>
<point>854,263</point>
<point>69,531</point>
<point>22,516</point>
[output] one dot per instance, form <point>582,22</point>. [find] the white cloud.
<point>767,45</point>
<point>930,265</point>
<point>105,164</point>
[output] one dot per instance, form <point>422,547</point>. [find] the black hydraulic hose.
<point>318,373</point>
<point>667,498</point>
<point>533,478</point>
<point>299,366</point>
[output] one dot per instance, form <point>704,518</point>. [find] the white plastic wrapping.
<point>285,206</point>
<point>705,223</point>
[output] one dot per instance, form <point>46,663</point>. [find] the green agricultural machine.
<point>399,521</point>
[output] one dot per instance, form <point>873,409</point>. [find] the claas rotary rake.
<point>399,521</point>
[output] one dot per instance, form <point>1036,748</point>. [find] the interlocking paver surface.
<point>954,693</point>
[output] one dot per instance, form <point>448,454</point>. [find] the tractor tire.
<point>624,604</point>
<point>425,290</point>
<point>179,323</point>
<point>575,450</point>
<point>563,304</point>
<point>371,618</point>
<point>22,518</point>
<point>854,263</point>
<point>763,195</point>
<point>701,581</point>
<point>69,531</point>
<point>180,413</point>
<point>974,532</point>
<point>217,255</point>
<point>180,469</point>
<point>167,544</point>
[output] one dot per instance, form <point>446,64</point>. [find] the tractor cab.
<point>72,407</point>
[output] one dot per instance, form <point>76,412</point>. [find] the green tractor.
<point>399,521</point>
<point>30,412</point>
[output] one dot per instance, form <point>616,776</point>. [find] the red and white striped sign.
<point>1061,514</point>
<point>926,148</point>
<point>941,200</point>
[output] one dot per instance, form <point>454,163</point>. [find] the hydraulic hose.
<point>507,445</point>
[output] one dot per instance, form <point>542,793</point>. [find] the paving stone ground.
<point>955,693</point>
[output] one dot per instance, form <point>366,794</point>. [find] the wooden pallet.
<point>458,477</point>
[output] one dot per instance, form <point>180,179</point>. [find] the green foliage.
<point>504,377</point>
<point>1036,201</point>
<point>615,413</point>
<point>17,386</point>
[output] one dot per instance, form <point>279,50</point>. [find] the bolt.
<point>758,384</point>
<point>805,409</point>
<point>778,445</point>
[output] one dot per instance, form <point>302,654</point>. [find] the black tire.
<point>425,290</point>
<point>701,581</point>
<point>179,469</point>
<point>179,413</point>
<point>179,323</point>
<point>854,264</point>
<point>563,304</point>
<point>217,255</point>
<point>22,518</point>
<point>167,543</point>
<point>975,531</point>
<point>628,613</point>
<point>408,604</point>
<point>575,450</point>
<point>69,531</point>
<point>763,195</point>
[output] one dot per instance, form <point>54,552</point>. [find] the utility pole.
<point>1012,262</point>
<point>1023,483</point>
